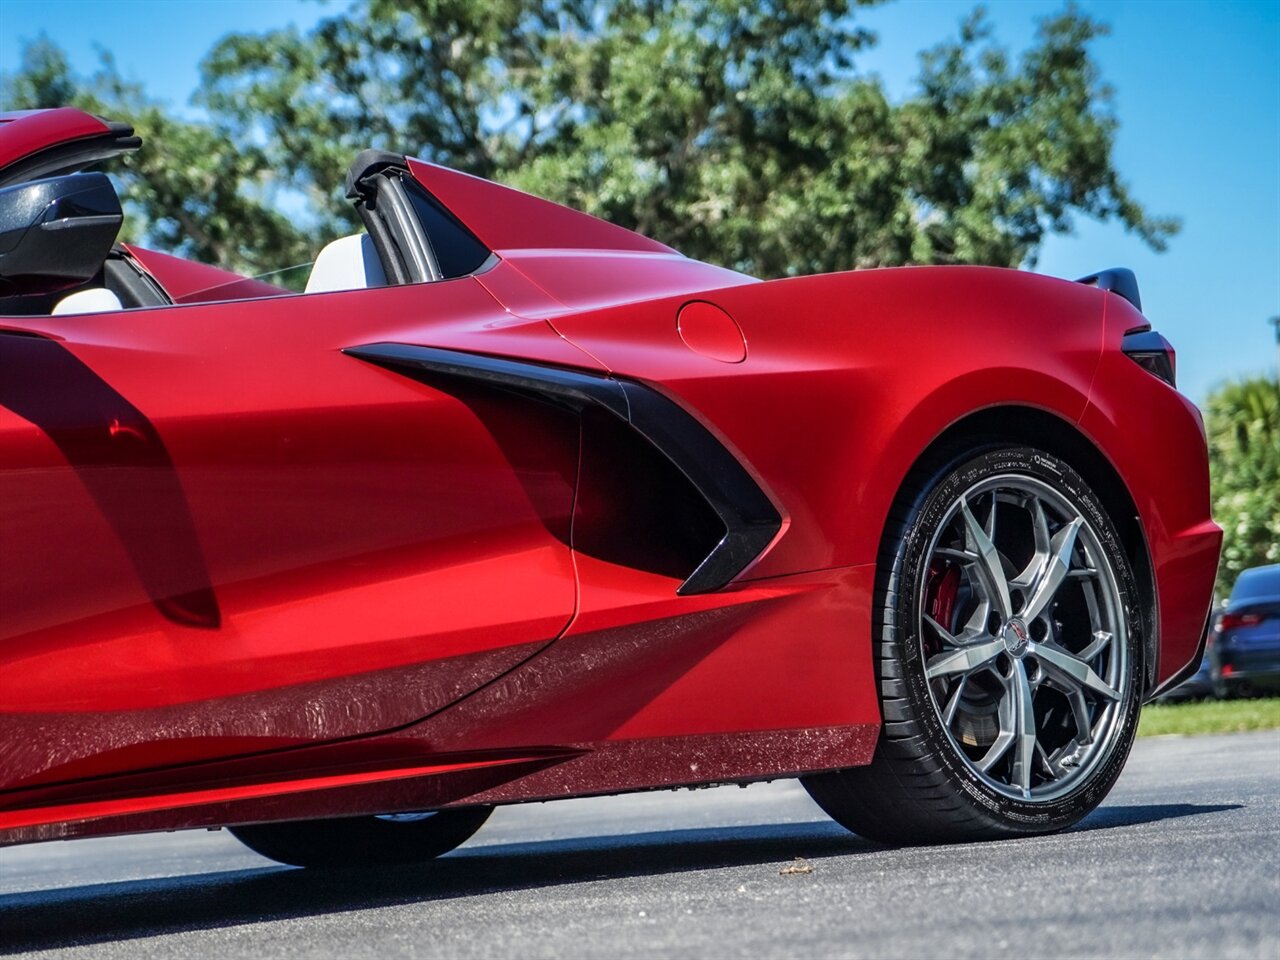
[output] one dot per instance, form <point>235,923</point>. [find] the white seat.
<point>93,300</point>
<point>348,263</point>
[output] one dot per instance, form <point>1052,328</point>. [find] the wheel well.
<point>1049,432</point>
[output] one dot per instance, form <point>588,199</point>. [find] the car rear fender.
<point>848,378</point>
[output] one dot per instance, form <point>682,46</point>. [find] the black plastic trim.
<point>368,163</point>
<point>1151,351</point>
<point>125,277</point>
<point>384,193</point>
<point>388,253</point>
<point>406,228</point>
<point>1117,280</point>
<point>55,233</point>
<point>750,519</point>
<point>379,214</point>
<point>1144,341</point>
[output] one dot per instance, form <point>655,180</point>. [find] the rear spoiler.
<point>1141,344</point>
<point>1117,280</point>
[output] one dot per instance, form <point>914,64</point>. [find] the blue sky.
<point>1197,94</point>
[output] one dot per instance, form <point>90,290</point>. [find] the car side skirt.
<point>579,770</point>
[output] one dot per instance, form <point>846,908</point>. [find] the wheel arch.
<point>1035,427</point>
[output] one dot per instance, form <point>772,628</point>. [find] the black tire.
<point>1234,690</point>
<point>924,784</point>
<point>363,841</point>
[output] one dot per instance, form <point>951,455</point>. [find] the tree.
<point>1242,421</point>
<point>739,133</point>
<point>193,192</point>
<point>746,138</point>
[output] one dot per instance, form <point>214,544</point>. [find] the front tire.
<point>390,840</point>
<point>1009,657</point>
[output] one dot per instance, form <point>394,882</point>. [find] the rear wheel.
<point>396,838</point>
<point>1009,658</point>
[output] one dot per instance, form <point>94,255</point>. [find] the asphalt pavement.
<point>1183,860</point>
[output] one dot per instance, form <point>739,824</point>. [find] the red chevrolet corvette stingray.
<point>515,504</point>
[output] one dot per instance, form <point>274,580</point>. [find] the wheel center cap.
<point>1015,637</point>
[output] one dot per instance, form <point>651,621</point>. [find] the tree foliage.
<point>190,190</point>
<point>1242,420</point>
<point>742,134</point>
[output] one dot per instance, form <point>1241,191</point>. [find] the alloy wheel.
<point>1022,634</point>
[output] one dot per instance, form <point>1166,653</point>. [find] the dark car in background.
<point>1244,656</point>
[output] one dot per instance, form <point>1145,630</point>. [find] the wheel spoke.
<point>1101,640</point>
<point>1047,766</point>
<point>1054,571</point>
<point>991,578</point>
<point>1080,714</point>
<point>976,625</point>
<point>969,635</point>
<point>1025,727</point>
<point>1089,590</point>
<point>1065,668</point>
<point>949,714</point>
<point>964,659</point>
<point>1040,535</point>
<point>1004,739</point>
<point>1065,759</point>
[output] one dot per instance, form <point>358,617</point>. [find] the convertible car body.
<point>515,504</point>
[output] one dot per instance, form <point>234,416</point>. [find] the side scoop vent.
<point>748,518</point>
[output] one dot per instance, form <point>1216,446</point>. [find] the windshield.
<point>273,283</point>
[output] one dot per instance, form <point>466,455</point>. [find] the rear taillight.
<point>1153,353</point>
<point>1231,621</point>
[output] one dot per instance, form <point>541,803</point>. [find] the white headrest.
<point>348,263</point>
<point>93,300</point>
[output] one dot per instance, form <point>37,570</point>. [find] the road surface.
<point>1183,860</point>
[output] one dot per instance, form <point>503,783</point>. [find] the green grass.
<point>1209,716</point>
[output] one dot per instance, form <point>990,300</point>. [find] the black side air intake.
<point>750,519</point>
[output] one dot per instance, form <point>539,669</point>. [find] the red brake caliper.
<point>940,599</point>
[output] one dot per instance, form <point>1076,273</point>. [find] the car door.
<point>221,535</point>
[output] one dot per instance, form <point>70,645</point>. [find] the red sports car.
<point>514,504</point>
